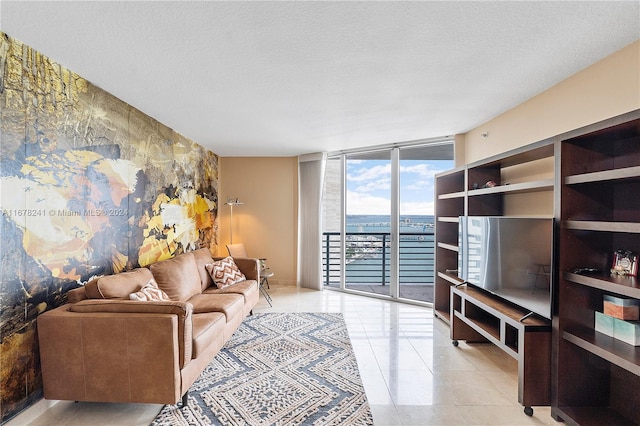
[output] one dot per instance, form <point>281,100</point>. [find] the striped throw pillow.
<point>149,292</point>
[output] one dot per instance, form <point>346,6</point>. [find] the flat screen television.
<point>510,257</point>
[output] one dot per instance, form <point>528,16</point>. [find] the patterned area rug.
<point>279,369</point>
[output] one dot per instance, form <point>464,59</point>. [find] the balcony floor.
<point>422,293</point>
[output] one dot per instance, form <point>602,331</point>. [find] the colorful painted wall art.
<point>89,186</point>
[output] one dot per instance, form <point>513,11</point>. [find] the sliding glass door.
<point>378,220</point>
<point>367,233</point>
<point>417,168</point>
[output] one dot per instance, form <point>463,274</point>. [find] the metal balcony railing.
<point>368,258</point>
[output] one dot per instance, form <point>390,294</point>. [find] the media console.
<point>477,316</point>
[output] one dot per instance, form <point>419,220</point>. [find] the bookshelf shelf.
<point>606,347</point>
<point>524,187</point>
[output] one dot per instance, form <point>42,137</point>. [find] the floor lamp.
<point>231,202</point>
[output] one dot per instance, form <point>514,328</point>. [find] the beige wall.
<point>458,150</point>
<point>267,223</point>
<point>608,88</point>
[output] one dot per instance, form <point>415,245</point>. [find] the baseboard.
<point>32,413</point>
<point>282,283</point>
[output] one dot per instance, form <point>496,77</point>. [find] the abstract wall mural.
<point>89,186</point>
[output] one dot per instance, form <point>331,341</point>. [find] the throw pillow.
<point>149,292</point>
<point>225,272</point>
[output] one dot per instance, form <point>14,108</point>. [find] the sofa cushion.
<point>149,292</point>
<point>208,329</point>
<point>229,304</point>
<point>224,272</point>
<point>203,257</point>
<point>245,288</point>
<point>178,277</point>
<point>118,286</point>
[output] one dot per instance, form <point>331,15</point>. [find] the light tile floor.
<point>411,372</point>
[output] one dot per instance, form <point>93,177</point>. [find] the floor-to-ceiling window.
<point>367,230</point>
<point>378,219</point>
<point>417,167</point>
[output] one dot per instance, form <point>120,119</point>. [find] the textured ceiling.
<point>287,78</point>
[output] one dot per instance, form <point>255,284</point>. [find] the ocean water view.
<point>382,223</point>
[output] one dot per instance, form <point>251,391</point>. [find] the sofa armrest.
<point>95,353</point>
<point>249,266</point>
<point>132,306</point>
<point>183,311</point>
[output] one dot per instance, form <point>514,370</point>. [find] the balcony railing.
<point>368,258</point>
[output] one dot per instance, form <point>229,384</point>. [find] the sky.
<point>369,186</point>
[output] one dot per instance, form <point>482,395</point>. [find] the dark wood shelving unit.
<point>596,378</point>
<point>491,201</point>
<point>456,196</point>
<point>450,203</point>
<point>477,316</point>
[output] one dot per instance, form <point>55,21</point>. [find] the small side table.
<point>265,274</point>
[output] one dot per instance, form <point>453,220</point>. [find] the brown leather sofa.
<point>101,346</point>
